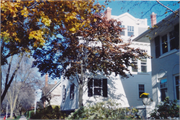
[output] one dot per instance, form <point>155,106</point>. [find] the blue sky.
<point>141,9</point>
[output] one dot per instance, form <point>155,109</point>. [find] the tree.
<point>21,92</point>
<point>99,50</point>
<point>28,25</point>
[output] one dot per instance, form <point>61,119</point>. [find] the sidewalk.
<point>23,118</point>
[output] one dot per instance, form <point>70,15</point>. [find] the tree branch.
<point>167,7</point>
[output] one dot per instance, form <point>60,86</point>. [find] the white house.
<point>51,93</point>
<point>164,41</point>
<point>124,91</point>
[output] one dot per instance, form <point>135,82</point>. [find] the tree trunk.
<point>80,95</point>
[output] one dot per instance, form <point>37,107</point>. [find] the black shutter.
<point>157,46</point>
<point>72,91</point>
<point>105,89</point>
<point>176,31</point>
<point>90,85</point>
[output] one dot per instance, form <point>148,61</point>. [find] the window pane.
<point>130,33</point>
<point>144,65</point>
<point>97,91</point>
<point>122,33</point>
<point>97,83</point>
<point>163,94</point>
<point>134,68</point>
<point>141,89</point>
<point>177,87</point>
<point>177,80</point>
<point>143,69</point>
<point>163,87</point>
<point>164,44</point>
<point>177,92</point>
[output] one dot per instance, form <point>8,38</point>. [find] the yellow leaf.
<point>72,29</point>
<point>95,20</point>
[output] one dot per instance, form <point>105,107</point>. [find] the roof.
<point>160,27</point>
<point>47,90</point>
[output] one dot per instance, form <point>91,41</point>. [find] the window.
<point>97,87</point>
<point>122,32</point>
<point>141,89</point>
<point>64,93</point>
<point>167,42</point>
<point>163,89</point>
<point>144,65</point>
<point>177,83</point>
<point>72,91</point>
<point>164,44</point>
<point>130,30</point>
<point>135,67</point>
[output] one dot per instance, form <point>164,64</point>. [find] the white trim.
<point>168,53</point>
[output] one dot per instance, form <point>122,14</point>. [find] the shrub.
<point>166,109</point>
<point>48,113</point>
<point>104,110</point>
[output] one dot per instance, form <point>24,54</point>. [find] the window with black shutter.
<point>72,91</point>
<point>157,46</point>
<point>97,87</point>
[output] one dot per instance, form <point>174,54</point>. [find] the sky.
<point>141,9</point>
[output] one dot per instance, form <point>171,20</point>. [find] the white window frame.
<point>130,29</point>
<point>168,42</point>
<point>144,64</point>
<point>135,64</point>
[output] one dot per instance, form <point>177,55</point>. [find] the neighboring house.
<point>164,42</point>
<point>51,93</point>
<point>124,91</point>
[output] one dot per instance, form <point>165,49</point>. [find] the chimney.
<point>153,19</point>
<point>46,80</point>
<point>108,13</point>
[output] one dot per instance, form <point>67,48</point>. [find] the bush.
<point>48,113</point>
<point>104,110</point>
<point>166,109</point>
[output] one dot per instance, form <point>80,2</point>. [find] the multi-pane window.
<point>167,42</point>
<point>141,89</point>
<point>164,44</point>
<point>122,32</point>
<point>144,65</point>
<point>64,93</point>
<point>163,89</point>
<point>130,30</point>
<point>72,91</point>
<point>135,66</point>
<point>177,83</point>
<point>97,87</point>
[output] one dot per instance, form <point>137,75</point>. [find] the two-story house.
<point>164,41</point>
<point>100,88</point>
